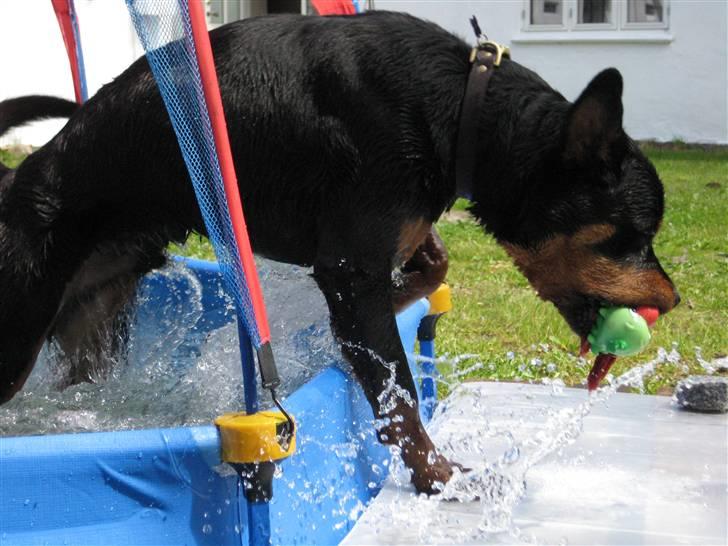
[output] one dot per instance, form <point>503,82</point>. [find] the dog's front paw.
<point>431,479</point>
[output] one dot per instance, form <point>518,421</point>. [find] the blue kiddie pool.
<point>169,485</point>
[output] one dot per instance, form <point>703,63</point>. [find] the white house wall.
<point>674,90</point>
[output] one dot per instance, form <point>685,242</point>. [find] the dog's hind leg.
<point>91,332</point>
<point>422,273</point>
<point>90,327</point>
<point>359,294</point>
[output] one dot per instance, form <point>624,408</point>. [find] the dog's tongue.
<point>601,366</point>
<point>585,346</point>
<point>599,370</point>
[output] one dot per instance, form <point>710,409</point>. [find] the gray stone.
<point>707,393</point>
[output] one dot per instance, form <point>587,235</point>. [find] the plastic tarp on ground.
<point>167,486</point>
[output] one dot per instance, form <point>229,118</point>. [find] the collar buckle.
<point>489,47</point>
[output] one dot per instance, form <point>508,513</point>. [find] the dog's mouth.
<point>602,362</point>
<point>581,314</point>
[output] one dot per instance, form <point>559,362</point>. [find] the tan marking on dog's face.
<point>411,236</point>
<point>565,266</point>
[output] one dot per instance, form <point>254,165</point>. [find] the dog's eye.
<point>623,244</point>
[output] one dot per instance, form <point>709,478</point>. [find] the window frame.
<point>570,16</point>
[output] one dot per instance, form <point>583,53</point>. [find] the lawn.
<point>516,336</point>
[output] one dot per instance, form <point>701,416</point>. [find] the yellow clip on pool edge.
<point>254,438</point>
<point>440,301</point>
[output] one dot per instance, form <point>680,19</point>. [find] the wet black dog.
<point>343,131</point>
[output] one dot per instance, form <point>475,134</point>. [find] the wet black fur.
<point>343,129</point>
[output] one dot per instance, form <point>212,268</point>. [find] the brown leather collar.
<point>484,59</point>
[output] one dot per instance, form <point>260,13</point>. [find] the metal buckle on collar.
<point>491,48</point>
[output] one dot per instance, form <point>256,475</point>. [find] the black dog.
<point>344,135</point>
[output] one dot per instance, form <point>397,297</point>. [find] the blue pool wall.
<point>168,486</point>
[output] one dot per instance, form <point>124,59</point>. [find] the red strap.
<point>334,7</point>
<point>230,181</point>
<point>63,14</point>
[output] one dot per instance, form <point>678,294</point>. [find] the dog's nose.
<point>677,299</point>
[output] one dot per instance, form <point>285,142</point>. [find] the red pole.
<point>63,14</point>
<point>334,7</point>
<point>219,128</point>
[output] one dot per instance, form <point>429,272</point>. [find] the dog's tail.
<point>21,110</point>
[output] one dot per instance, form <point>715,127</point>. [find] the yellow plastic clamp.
<point>440,301</point>
<point>254,438</point>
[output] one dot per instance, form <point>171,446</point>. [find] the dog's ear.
<point>595,120</point>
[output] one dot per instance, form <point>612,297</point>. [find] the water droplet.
<point>512,455</point>
<point>206,529</point>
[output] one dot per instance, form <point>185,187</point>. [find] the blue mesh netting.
<point>165,31</point>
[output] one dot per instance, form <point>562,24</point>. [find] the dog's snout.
<point>677,299</point>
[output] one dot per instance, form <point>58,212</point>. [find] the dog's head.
<point>588,208</point>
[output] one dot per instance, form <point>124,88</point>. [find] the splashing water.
<point>499,446</point>
<point>171,374</point>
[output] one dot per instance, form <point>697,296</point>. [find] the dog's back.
<point>329,118</point>
<point>310,103</point>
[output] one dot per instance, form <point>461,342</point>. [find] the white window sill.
<point>593,37</point>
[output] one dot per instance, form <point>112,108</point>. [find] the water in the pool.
<point>168,376</point>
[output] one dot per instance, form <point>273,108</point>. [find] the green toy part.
<point>619,331</point>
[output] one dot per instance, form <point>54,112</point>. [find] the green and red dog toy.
<point>618,331</point>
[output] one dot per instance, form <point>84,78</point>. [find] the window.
<point>577,15</point>
<point>592,12</point>
<point>547,12</point>
<point>645,13</point>
<point>285,6</point>
<point>225,11</point>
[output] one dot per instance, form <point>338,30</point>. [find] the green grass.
<point>196,246</point>
<point>516,336</point>
<point>11,157</point>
